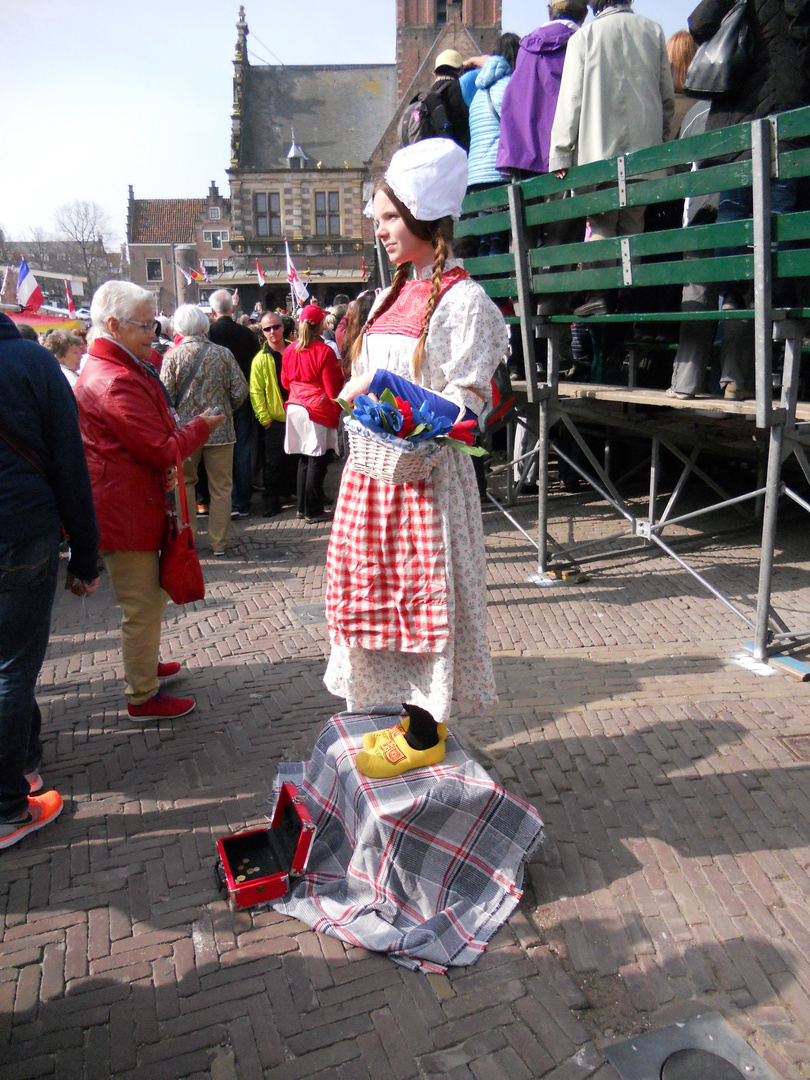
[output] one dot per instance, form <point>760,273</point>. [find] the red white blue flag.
<point>29,294</point>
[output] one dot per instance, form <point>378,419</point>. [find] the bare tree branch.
<point>39,241</point>
<point>84,224</point>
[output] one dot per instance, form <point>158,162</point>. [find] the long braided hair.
<point>440,234</point>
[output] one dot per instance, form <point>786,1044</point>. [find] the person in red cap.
<point>311,372</point>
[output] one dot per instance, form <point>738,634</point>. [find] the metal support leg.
<point>762,154</point>
<point>524,289</point>
<point>655,467</point>
<point>542,485</point>
<point>768,540</point>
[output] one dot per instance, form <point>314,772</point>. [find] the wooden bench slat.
<point>486,200</point>
<point>793,123</point>
<point>727,268</point>
<point>487,223</point>
<point>669,241</point>
<point>481,268</point>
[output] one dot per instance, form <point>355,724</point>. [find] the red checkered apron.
<point>386,572</point>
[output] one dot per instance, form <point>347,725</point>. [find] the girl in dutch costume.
<point>406,572</point>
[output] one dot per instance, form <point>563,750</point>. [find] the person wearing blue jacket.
<point>44,487</point>
<point>485,129</point>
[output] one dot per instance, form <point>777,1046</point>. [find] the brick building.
<point>165,236</point>
<point>308,141</point>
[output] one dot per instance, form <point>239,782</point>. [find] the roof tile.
<point>167,221</point>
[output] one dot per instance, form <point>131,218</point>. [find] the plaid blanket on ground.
<point>424,867</point>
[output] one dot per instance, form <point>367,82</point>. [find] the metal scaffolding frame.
<point>554,404</point>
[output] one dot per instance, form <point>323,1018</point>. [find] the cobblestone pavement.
<point>674,879</point>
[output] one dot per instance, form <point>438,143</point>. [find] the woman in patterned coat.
<point>200,375</point>
<point>406,573</point>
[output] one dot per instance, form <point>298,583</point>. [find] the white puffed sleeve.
<point>466,341</point>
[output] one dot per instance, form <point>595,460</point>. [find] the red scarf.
<point>407,314</point>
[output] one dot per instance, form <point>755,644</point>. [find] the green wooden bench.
<point>769,247</point>
<point>528,275</point>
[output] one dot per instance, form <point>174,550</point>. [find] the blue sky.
<point>99,95</point>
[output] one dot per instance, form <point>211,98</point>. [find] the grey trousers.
<point>696,340</point>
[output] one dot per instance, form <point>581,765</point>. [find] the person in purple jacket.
<point>527,116</point>
<point>530,99</point>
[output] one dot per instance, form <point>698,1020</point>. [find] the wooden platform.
<point>639,396</point>
<point>626,395</point>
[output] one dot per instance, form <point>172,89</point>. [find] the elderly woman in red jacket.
<point>311,372</point>
<point>132,442</point>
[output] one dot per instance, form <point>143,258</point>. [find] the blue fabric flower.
<point>390,417</point>
<point>386,419</point>
<point>376,415</point>
<point>434,424</point>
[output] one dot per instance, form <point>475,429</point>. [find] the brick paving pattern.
<point>674,879</point>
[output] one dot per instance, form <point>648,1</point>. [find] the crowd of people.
<point>573,92</point>
<point>98,429</point>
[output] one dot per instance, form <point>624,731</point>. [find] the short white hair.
<point>221,302</point>
<point>117,300</point>
<point>189,320</point>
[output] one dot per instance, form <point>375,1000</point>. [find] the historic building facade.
<point>168,236</point>
<point>308,141</point>
<point>307,144</point>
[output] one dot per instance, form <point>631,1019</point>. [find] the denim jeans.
<point>737,205</point>
<point>28,570</point>
<point>244,423</point>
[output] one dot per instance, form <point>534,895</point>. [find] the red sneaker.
<point>161,707</point>
<point>42,809</point>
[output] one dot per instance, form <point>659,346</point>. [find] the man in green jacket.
<point>267,397</point>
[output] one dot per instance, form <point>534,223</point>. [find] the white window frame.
<point>222,234</point>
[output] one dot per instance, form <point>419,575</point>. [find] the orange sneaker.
<point>42,809</point>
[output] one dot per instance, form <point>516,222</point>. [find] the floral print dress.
<point>428,659</point>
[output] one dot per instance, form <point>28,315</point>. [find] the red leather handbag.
<point>180,570</point>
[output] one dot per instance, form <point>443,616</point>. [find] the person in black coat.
<point>447,86</point>
<point>242,343</point>
<point>777,79</point>
<point>44,486</point>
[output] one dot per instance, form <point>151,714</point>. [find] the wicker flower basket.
<point>394,461</point>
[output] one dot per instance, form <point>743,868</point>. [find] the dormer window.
<point>297,157</point>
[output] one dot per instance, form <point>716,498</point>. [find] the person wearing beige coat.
<point>616,96</point>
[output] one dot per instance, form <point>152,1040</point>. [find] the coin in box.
<point>257,865</point>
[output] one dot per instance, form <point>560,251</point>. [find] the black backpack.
<point>424,118</point>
